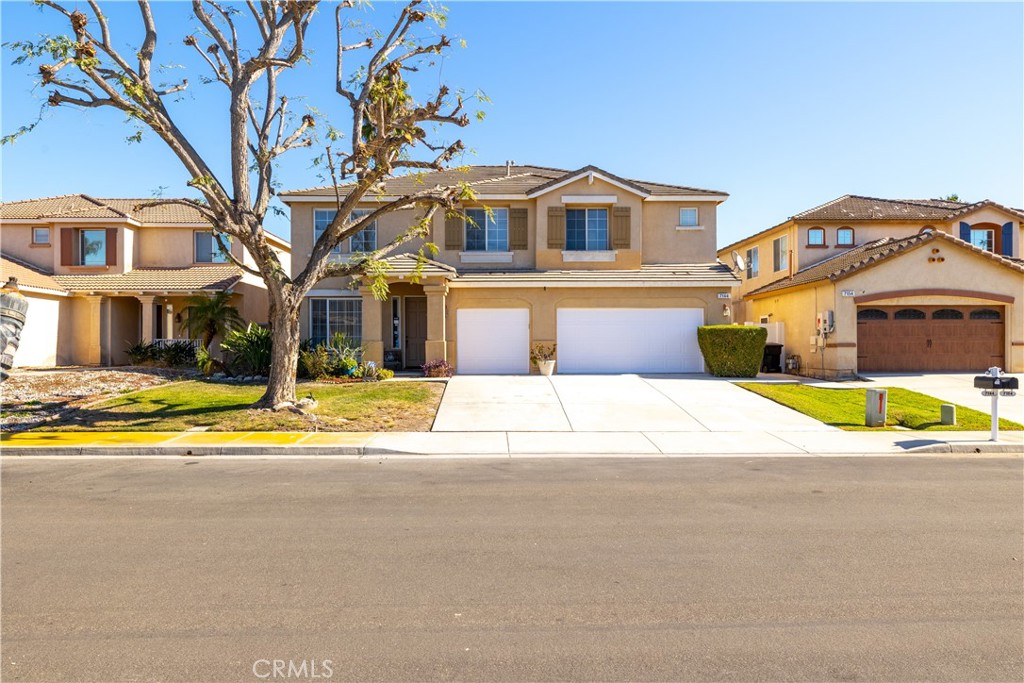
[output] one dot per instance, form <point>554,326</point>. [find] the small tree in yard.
<point>209,316</point>
<point>388,133</point>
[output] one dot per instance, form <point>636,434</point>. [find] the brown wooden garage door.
<point>929,338</point>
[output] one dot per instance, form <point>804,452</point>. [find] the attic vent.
<point>508,168</point>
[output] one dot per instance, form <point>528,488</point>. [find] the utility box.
<point>947,414</point>
<point>877,404</point>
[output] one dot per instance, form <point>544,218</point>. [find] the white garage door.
<point>610,340</point>
<point>493,341</point>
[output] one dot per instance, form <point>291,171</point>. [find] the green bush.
<point>248,350</point>
<point>732,350</point>
<point>141,353</point>
<point>177,354</point>
<point>336,357</point>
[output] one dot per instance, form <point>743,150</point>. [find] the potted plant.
<point>543,356</point>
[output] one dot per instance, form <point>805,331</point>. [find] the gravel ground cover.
<point>30,398</point>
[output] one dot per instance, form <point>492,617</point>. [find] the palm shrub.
<point>732,350</point>
<point>177,354</point>
<point>141,352</point>
<point>209,316</point>
<point>248,350</point>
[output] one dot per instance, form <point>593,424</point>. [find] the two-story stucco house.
<point>910,284</point>
<point>619,273</point>
<point>102,274</point>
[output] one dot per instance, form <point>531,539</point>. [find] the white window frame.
<point>990,242</point>
<point>216,255</point>
<point>586,231</point>
<point>35,231</point>
<point>489,223</point>
<point>780,254</point>
<point>753,263</point>
<point>363,235</point>
<point>696,217</point>
<point>329,302</point>
<point>318,231</point>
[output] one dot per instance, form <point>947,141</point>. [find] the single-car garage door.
<point>610,340</point>
<point>493,341</point>
<point>929,338</point>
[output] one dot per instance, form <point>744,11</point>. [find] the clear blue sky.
<point>784,106</point>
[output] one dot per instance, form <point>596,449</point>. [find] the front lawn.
<point>358,407</point>
<point>844,408</point>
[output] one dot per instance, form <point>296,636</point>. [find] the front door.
<point>415,331</point>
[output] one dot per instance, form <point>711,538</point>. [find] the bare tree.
<point>388,133</point>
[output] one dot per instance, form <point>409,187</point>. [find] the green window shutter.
<point>620,227</point>
<point>556,227</point>
<point>454,228</point>
<point>518,238</point>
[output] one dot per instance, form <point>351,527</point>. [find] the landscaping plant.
<point>248,351</point>
<point>732,350</point>
<point>542,352</point>
<point>209,316</point>
<point>438,368</point>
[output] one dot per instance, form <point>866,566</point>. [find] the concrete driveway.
<point>955,387</point>
<point>611,403</point>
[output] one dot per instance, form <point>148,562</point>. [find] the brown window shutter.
<point>518,238</point>
<point>111,246</point>
<point>454,227</point>
<point>556,227</point>
<point>67,246</point>
<point>620,227</point>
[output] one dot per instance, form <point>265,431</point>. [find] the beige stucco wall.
<point>124,327</point>
<point>172,247</point>
<point>961,270</point>
<point>16,240</point>
<point>663,243</point>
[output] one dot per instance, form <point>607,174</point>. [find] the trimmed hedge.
<point>732,350</point>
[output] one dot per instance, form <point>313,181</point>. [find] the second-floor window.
<point>321,219</point>
<point>844,237</point>
<point>486,231</point>
<point>816,237</point>
<point>207,248</point>
<point>780,253</point>
<point>984,238</point>
<point>40,235</point>
<point>752,266</point>
<point>688,218</point>
<point>92,247</point>
<point>586,229</point>
<point>366,239</point>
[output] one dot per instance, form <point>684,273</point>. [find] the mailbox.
<point>996,383</point>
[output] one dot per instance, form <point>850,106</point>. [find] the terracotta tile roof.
<point>189,279</point>
<point>849,262</point>
<point>406,265</point>
<point>493,180</point>
<point>84,206</point>
<point>29,276</point>
<point>678,273</point>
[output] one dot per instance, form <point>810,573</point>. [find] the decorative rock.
<point>218,375</point>
<point>284,405</point>
<point>307,403</point>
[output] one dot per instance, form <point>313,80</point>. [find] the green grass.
<point>360,407</point>
<point>844,408</point>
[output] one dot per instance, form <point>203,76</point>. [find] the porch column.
<point>148,303</point>
<point>168,319</point>
<point>90,344</point>
<point>437,343</point>
<point>373,326</point>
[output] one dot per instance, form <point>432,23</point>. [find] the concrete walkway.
<point>502,444</point>
<point>612,403</point>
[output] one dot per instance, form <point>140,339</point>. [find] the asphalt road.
<point>844,569</point>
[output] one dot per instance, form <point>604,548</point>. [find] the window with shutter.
<point>518,229</point>
<point>620,227</point>
<point>556,227</point>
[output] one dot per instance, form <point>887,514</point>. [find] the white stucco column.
<point>436,345</point>
<point>168,320</point>
<point>373,324</point>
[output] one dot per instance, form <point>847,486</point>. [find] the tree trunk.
<point>284,356</point>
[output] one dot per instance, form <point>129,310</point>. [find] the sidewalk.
<point>357,445</point>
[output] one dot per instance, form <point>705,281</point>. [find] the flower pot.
<point>546,367</point>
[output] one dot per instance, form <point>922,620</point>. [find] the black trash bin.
<point>772,360</point>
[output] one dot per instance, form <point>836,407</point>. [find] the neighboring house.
<point>619,273</point>
<point>912,285</point>
<point>102,274</point>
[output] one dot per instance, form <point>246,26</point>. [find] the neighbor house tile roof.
<point>869,254</point>
<point>28,275</point>
<point>497,180</point>
<point>188,279</point>
<point>681,273</point>
<point>85,206</point>
<point>856,208</point>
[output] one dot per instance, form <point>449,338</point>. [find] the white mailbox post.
<point>995,384</point>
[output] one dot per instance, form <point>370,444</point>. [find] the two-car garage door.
<point>611,340</point>
<point>590,340</point>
